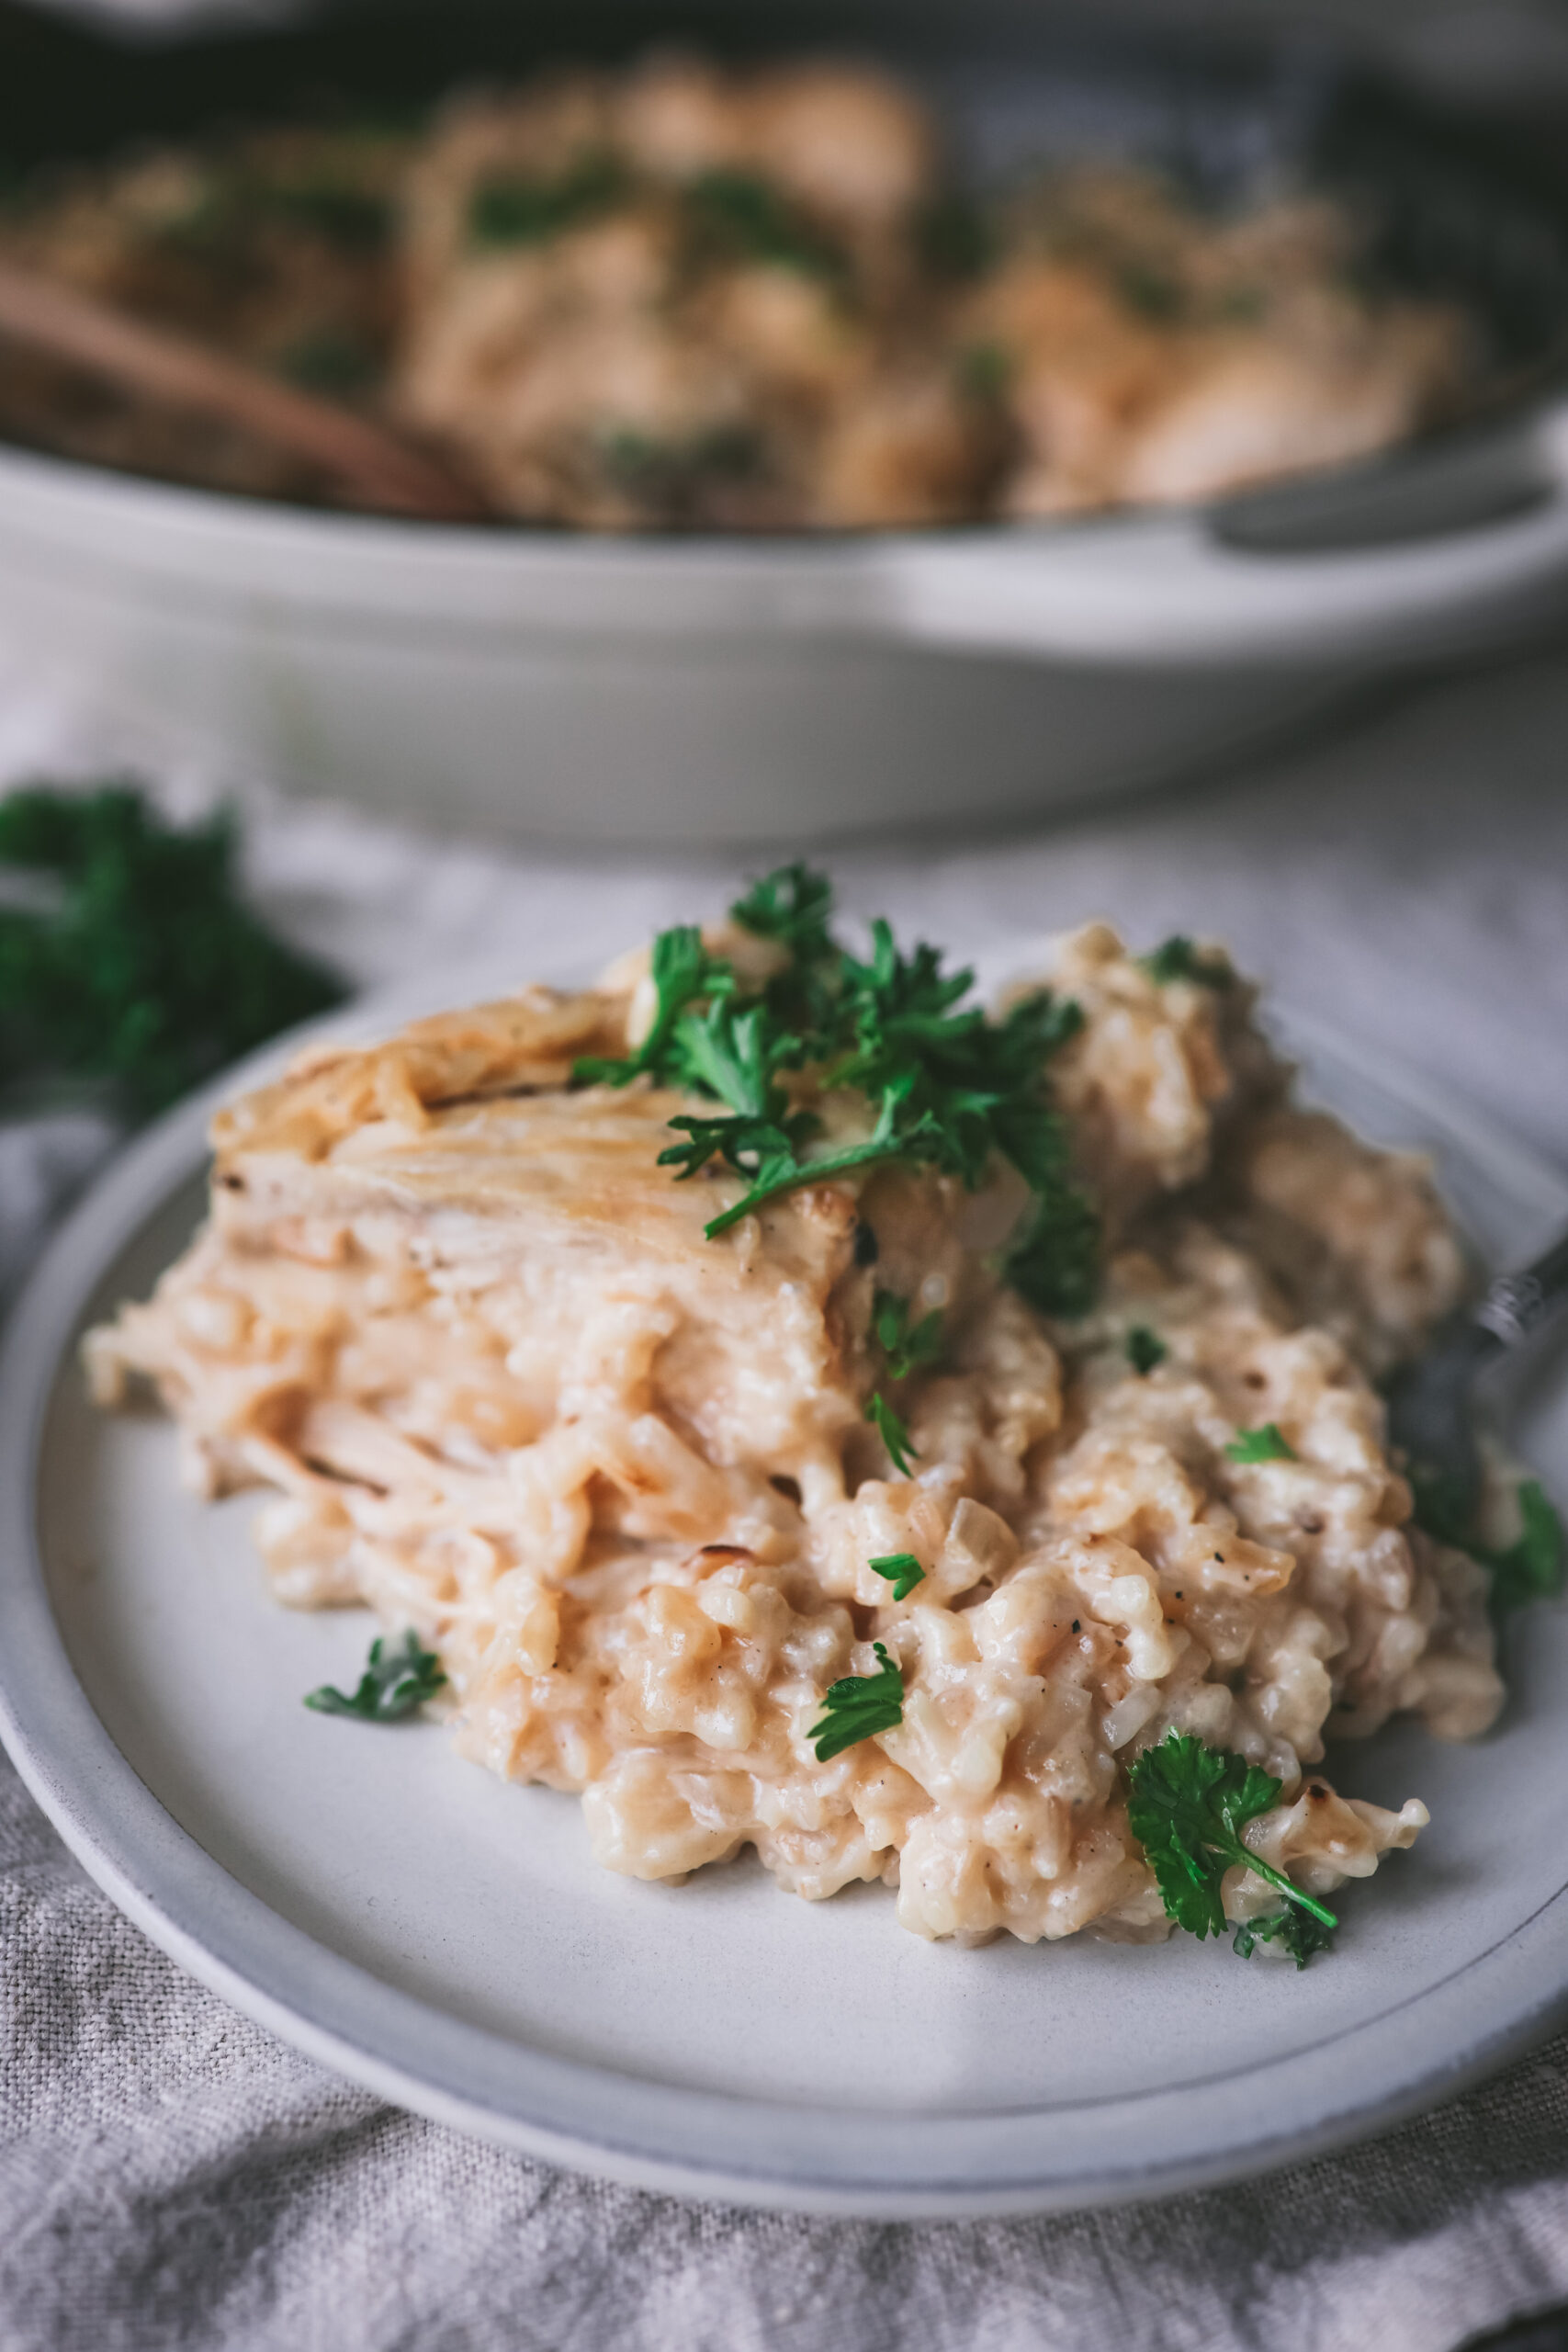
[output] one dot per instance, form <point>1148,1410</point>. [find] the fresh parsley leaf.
<point>141,966</point>
<point>1177,960</point>
<point>902,1571</point>
<point>961,1087</point>
<point>1530,1568</point>
<point>737,216</point>
<point>892,1431</point>
<point>398,1679</point>
<point>1145,1348</point>
<point>858,1707</point>
<point>1187,1806</point>
<point>905,1350</point>
<point>768,1155</point>
<point>1055,1263</point>
<point>667,473</point>
<point>1265,1444</point>
<point>948,1087</point>
<point>793,904</point>
<point>1301,1933</point>
<point>732,1054</point>
<point>515,209</point>
<point>758,1150</point>
<point>681,970</point>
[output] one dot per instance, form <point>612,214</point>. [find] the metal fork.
<point>1430,1401</point>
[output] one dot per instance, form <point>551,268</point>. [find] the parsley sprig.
<point>793,904</point>
<point>398,1677</point>
<point>946,1087</point>
<point>906,1346</point>
<point>1187,1804</point>
<point>1530,1568</point>
<point>858,1707</point>
<point>894,1431</point>
<point>901,1570</point>
<point>906,1349</point>
<point>1145,1348</point>
<point>1265,1444</point>
<point>512,209</point>
<point>681,971</point>
<point>1177,960</point>
<point>134,962</point>
<point>1055,1263</point>
<point>1301,1933</point>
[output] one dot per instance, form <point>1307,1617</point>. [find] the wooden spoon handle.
<point>365,458</point>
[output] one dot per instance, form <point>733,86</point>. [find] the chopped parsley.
<point>902,1571</point>
<point>1300,1932</point>
<point>893,1431</point>
<point>793,904</point>
<point>671,472</point>
<point>1187,1804</point>
<point>947,1086</point>
<point>905,1350</point>
<point>904,1347</point>
<point>1145,1348</point>
<point>398,1679</point>
<point>514,208</point>
<point>1265,1444</point>
<point>681,970</point>
<point>858,1707</point>
<point>139,966</point>
<point>1055,1263</point>
<point>740,217</point>
<point>1530,1568</point>
<point>1177,960</point>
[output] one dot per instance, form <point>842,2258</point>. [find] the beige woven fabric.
<point>170,2176</point>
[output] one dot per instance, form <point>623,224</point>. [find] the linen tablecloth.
<point>171,2175</point>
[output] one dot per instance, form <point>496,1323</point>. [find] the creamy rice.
<point>619,1475</point>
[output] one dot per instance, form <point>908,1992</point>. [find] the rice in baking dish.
<point>619,1473</point>
<point>689,296</point>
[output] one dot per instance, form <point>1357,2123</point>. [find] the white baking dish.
<point>738,691</point>
<point>730,691</point>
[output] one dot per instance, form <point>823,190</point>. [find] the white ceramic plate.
<point>445,1939</point>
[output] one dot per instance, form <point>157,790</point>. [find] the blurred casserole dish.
<point>838,562</point>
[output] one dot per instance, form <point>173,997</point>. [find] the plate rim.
<point>735,2149</point>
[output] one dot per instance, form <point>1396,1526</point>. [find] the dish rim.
<point>739,2150</point>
